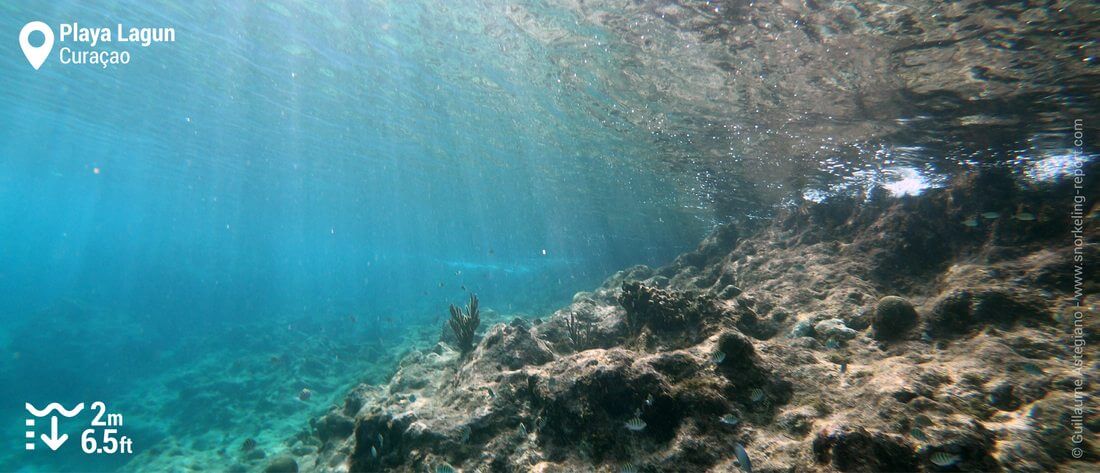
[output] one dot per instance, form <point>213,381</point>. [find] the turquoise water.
<point>291,193</point>
<point>281,163</point>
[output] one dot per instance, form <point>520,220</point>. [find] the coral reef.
<point>893,317</point>
<point>836,338</point>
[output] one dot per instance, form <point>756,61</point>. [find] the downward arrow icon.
<point>53,441</point>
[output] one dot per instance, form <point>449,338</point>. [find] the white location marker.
<point>36,55</point>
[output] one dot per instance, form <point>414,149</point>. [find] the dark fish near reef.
<point>1024,216</point>
<point>742,458</point>
<point>729,419</point>
<point>248,445</point>
<point>943,459</point>
<point>756,395</point>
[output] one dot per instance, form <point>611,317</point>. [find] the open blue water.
<point>292,176</point>
<point>279,163</point>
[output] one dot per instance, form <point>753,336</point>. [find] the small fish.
<point>305,394</point>
<point>444,468</point>
<point>628,468</point>
<point>717,357</point>
<point>926,337</point>
<point>373,452</point>
<point>970,222</point>
<point>832,344</point>
<point>522,429</point>
<point>918,434</point>
<point>1024,216</point>
<point>743,461</point>
<point>843,367</point>
<point>635,425</point>
<point>990,215</point>
<point>492,394</point>
<point>1032,368</point>
<point>638,412</point>
<point>944,459</point>
<point>248,445</point>
<point>756,395</point>
<point>381,443</point>
<point>729,419</point>
<point>649,400</point>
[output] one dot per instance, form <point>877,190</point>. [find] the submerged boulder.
<point>284,464</point>
<point>334,425</point>
<point>961,310</point>
<point>588,401</point>
<point>894,316</point>
<point>654,308</point>
<point>834,329</point>
<point>512,346</point>
<point>858,449</point>
<point>960,446</point>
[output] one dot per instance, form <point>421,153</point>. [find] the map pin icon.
<point>36,55</point>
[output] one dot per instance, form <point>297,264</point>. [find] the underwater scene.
<point>607,236</point>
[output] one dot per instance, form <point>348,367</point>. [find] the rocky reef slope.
<point>929,333</point>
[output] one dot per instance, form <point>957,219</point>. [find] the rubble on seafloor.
<point>875,334</point>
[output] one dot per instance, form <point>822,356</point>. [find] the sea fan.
<point>465,324</point>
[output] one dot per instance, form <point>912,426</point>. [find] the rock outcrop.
<point>855,335</point>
